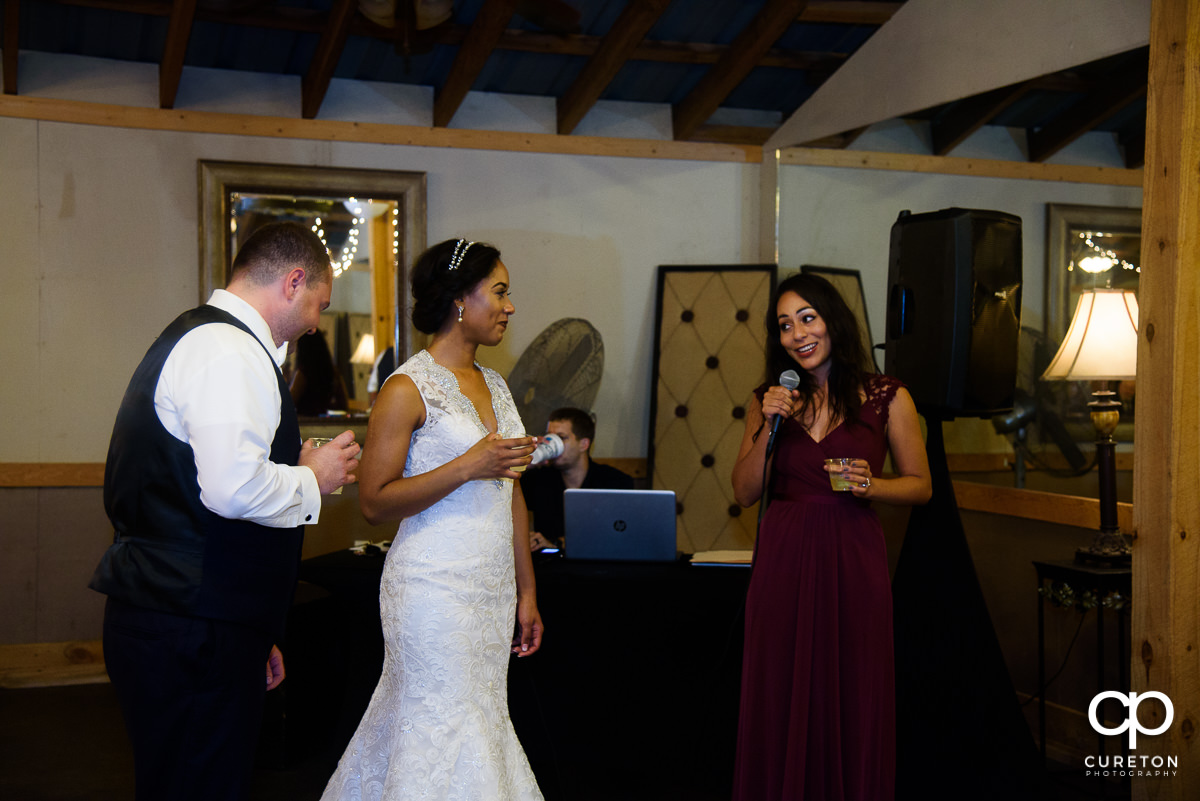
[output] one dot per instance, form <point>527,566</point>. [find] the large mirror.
<point>372,221</point>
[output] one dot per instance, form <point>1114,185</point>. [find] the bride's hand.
<point>497,457</point>
<point>528,637</point>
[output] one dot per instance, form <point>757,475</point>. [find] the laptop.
<point>619,525</point>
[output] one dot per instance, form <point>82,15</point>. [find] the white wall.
<point>841,217</point>
<point>101,246</point>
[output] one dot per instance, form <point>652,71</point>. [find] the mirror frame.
<point>1060,219</point>
<point>218,179</point>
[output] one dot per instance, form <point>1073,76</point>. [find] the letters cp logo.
<point>1132,723</point>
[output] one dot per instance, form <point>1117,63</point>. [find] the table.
<point>1101,581</point>
<point>636,684</point>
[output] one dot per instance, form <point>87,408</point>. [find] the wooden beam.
<point>52,664</point>
<point>849,12</point>
<point>12,40</point>
<point>743,55</point>
<point>949,165</point>
<point>1165,627</point>
<point>839,141</point>
<point>626,34</point>
<point>179,30</point>
<point>154,119</point>
<point>972,113</point>
<point>383,283</point>
<point>52,474</point>
<point>660,51</point>
<point>315,83</point>
<point>1085,115</point>
<point>1135,149</point>
<point>732,134</point>
<point>1066,510</point>
<point>486,30</point>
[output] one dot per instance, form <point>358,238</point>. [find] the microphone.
<point>551,447</point>
<point>789,380</point>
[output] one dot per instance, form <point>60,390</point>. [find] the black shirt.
<point>543,488</point>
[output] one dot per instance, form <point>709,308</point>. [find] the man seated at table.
<point>543,485</point>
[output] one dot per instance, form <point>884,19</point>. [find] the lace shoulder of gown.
<point>881,389</point>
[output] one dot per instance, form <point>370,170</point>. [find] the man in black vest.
<point>208,488</point>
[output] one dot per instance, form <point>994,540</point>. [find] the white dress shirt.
<point>218,392</point>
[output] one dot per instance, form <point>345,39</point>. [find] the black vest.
<point>169,551</point>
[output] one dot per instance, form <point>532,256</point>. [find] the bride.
<point>445,441</point>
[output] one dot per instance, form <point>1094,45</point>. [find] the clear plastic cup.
<point>836,481</point>
<point>318,442</point>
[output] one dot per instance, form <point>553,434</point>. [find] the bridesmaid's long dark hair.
<point>849,363</point>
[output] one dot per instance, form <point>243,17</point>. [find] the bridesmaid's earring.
<point>460,311</point>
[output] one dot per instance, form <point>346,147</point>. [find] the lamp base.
<point>1108,549</point>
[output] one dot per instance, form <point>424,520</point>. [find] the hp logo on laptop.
<point>618,525</point>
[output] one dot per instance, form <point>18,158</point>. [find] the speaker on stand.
<point>953,320</point>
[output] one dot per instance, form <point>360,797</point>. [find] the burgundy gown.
<point>817,716</point>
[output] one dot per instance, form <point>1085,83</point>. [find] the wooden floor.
<point>60,743</point>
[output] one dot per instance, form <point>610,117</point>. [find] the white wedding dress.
<point>438,726</point>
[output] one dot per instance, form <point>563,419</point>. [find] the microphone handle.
<point>771,437</point>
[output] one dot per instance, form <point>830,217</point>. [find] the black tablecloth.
<point>633,694</point>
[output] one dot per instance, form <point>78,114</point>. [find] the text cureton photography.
<point>1132,765</point>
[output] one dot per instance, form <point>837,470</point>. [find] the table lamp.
<point>1101,345</point>
<point>365,352</point>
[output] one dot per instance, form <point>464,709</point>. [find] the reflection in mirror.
<point>329,370</point>
<point>373,223</point>
<point>1088,247</point>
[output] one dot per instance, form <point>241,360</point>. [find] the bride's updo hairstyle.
<point>446,271</point>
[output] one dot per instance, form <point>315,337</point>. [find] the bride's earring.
<point>460,312</point>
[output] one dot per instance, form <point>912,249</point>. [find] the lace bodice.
<point>452,426</point>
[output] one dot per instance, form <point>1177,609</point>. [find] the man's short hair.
<point>582,424</point>
<point>275,249</point>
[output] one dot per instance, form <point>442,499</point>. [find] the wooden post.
<point>768,207</point>
<point>383,284</point>
<point>1166,473</point>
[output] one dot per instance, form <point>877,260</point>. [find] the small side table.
<point>1101,581</point>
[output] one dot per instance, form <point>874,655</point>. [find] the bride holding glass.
<point>446,444</point>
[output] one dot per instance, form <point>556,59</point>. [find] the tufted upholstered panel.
<point>708,358</point>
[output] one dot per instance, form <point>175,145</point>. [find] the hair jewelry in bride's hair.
<point>460,250</point>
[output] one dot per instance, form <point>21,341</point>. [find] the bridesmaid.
<point>817,708</point>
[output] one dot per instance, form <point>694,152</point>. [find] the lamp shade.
<point>365,352</point>
<point>1101,343</point>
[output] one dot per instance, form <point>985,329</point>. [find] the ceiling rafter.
<point>1089,111</point>
<point>1135,149</point>
<point>626,33</point>
<point>743,55</point>
<point>315,83</point>
<point>971,114</point>
<point>170,69</point>
<point>12,36</point>
<point>839,141</point>
<point>849,12</point>
<point>667,52</point>
<point>306,20</point>
<point>732,134</point>
<point>489,25</point>
<point>948,127</point>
